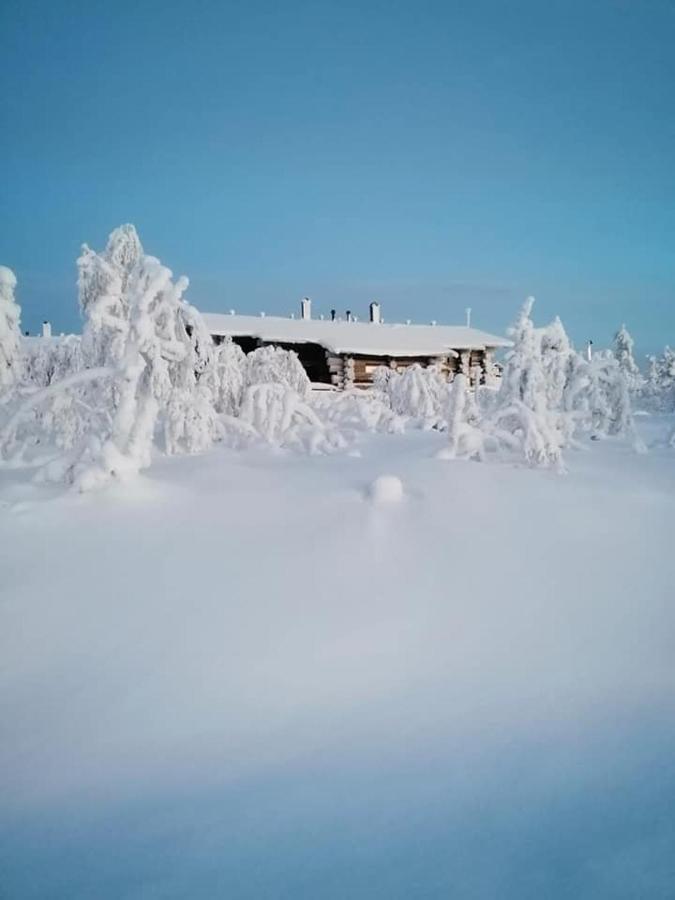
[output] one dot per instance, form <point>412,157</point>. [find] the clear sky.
<point>432,155</point>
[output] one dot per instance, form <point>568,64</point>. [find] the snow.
<point>232,677</point>
<point>366,338</point>
<point>386,489</point>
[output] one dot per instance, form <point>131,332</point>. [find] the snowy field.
<point>239,676</point>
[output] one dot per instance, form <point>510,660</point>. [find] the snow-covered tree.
<point>623,351</point>
<point>103,280</point>
<point>597,397</point>
<point>491,371</point>
<point>10,334</point>
<point>230,367</point>
<point>158,357</point>
<point>190,416</point>
<point>274,365</point>
<point>650,392</point>
<point>666,379</point>
<point>557,355</point>
<point>465,437</point>
<point>523,414</point>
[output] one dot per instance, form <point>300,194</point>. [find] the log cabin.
<point>343,353</point>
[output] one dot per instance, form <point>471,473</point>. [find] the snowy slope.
<point>240,677</point>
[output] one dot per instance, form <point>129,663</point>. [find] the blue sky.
<point>431,154</point>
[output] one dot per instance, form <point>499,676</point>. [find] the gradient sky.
<point>431,154</point>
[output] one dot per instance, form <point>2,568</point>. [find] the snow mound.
<point>386,489</point>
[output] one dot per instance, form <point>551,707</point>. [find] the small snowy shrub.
<point>417,393</point>
<point>47,360</point>
<point>277,415</point>
<point>355,411</point>
<point>274,365</point>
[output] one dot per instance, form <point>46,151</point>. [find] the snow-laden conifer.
<point>522,415</point>
<point>10,334</point>
<point>623,351</point>
<point>158,356</point>
<point>103,282</point>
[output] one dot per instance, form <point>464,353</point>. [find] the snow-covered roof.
<point>364,338</point>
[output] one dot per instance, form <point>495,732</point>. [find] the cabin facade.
<point>344,353</point>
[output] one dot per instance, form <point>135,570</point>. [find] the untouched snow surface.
<point>238,677</point>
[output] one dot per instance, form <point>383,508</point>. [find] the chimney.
<point>375,312</point>
<point>46,329</point>
<point>348,315</point>
<point>305,308</point>
<point>468,317</point>
<point>332,315</point>
<point>589,351</point>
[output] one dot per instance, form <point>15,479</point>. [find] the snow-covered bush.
<point>357,411</point>
<point>381,378</point>
<point>274,365</point>
<point>10,334</point>
<point>278,415</point>
<point>46,360</point>
<point>415,393</point>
